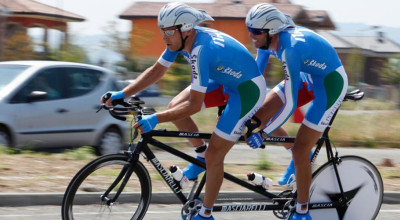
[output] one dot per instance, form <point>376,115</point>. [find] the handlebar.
<point>131,107</point>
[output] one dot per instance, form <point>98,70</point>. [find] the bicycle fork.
<point>124,175</point>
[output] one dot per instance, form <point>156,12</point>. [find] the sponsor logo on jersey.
<point>314,63</point>
<point>230,71</point>
<point>193,64</point>
<point>285,70</point>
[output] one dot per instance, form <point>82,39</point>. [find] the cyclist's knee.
<point>301,151</point>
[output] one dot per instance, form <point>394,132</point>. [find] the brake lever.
<point>100,108</point>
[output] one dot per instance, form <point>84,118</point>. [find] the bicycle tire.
<point>82,199</point>
<point>362,184</point>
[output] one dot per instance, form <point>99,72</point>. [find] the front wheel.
<point>84,197</point>
<point>362,186</point>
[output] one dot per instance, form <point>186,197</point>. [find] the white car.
<point>50,104</point>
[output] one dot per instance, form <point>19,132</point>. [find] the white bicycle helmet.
<point>178,13</point>
<point>267,16</point>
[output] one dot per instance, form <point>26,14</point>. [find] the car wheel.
<point>111,141</point>
<point>5,138</point>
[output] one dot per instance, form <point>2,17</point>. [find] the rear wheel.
<point>362,186</point>
<point>83,197</point>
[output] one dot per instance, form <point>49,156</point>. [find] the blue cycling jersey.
<point>262,60</point>
<point>302,50</point>
<point>217,57</point>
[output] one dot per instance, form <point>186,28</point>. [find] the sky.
<point>99,13</point>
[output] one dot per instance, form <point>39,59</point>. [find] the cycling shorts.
<point>242,104</point>
<point>328,97</point>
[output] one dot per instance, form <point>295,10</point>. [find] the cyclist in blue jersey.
<point>212,56</point>
<point>300,50</point>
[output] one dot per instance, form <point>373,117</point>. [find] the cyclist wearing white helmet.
<point>302,53</point>
<point>215,58</point>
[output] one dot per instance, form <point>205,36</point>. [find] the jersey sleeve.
<point>199,65</point>
<point>291,67</point>
<point>262,59</point>
<point>167,57</point>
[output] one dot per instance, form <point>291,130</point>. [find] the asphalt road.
<point>157,211</point>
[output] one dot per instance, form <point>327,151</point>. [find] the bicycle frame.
<point>148,139</point>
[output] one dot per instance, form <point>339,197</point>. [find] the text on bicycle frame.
<point>165,175</point>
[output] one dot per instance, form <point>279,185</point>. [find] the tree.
<point>69,52</point>
<point>126,44</point>
<point>118,41</point>
<point>19,46</point>
<point>391,71</point>
<point>355,66</point>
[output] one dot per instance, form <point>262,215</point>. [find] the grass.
<point>81,153</point>
<point>263,163</point>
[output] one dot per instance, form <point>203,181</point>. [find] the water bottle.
<point>259,180</point>
<point>178,175</point>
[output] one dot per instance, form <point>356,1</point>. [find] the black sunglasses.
<point>257,31</point>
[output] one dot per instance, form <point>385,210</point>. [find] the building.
<point>375,50</point>
<point>229,17</point>
<point>24,14</point>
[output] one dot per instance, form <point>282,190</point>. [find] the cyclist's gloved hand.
<point>114,96</point>
<point>148,122</point>
<point>255,140</point>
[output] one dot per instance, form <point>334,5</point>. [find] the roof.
<point>377,45</point>
<point>336,41</point>
<point>231,9</point>
<point>33,8</point>
<point>218,9</point>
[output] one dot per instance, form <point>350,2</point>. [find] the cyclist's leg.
<point>327,100</point>
<point>214,97</point>
<point>242,105</point>
<point>272,104</point>
<point>218,147</point>
<point>305,140</point>
<point>185,124</point>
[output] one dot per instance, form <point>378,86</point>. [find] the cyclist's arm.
<point>291,66</point>
<point>200,56</point>
<point>262,59</point>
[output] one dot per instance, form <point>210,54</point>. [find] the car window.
<point>48,80</point>
<point>81,81</point>
<point>8,72</point>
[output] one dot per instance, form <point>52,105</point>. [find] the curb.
<point>33,199</point>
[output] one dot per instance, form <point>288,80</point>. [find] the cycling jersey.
<point>305,93</point>
<point>217,57</point>
<point>302,50</point>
